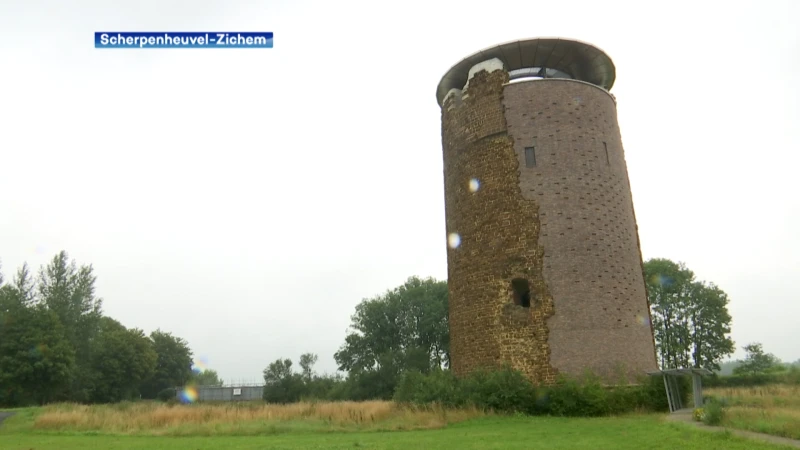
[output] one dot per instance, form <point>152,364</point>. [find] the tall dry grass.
<point>245,418</point>
<point>770,396</point>
<point>771,409</point>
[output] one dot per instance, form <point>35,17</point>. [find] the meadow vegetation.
<point>507,390</point>
<point>338,425</point>
<point>770,409</point>
<point>394,361</point>
<point>252,418</point>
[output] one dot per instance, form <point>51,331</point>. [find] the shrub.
<point>584,398</point>
<point>285,390</point>
<point>622,399</point>
<point>790,376</point>
<point>504,390</point>
<point>167,394</point>
<point>698,414</point>
<point>651,396</point>
<point>713,413</point>
<point>507,390</point>
<point>440,386</point>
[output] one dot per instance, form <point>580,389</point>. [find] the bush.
<point>440,386</point>
<point>584,399</point>
<point>507,390</point>
<point>651,395</point>
<point>713,413</point>
<point>324,387</point>
<point>167,394</point>
<point>286,390</point>
<point>504,390</point>
<point>790,376</point>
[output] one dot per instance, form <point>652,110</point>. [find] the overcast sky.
<point>247,200</point>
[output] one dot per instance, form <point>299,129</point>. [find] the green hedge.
<point>507,390</point>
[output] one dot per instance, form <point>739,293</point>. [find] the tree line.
<point>405,330</point>
<point>57,345</point>
<point>757,361</point>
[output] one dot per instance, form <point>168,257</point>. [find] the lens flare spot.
<point>453,240</point>
<point>661,280</point>
<point>474,185</point>
<point>643,320</point>
<point>200,365</point>
<point>189,394</point>
<point>38,351</point>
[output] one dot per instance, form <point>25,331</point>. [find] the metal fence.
<point>241,393</point>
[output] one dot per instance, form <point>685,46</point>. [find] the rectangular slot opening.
<point>605,147</point>
<point>530,156</point>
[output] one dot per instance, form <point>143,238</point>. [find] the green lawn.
<point>631,432</point>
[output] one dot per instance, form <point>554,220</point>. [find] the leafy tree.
<point>36,360</point>
<point>328,387</point>
<point>173,366</point>
<point>395,328</point>
<point>691,323</point>
<point>121,360</point>
<point>668,285</point>
<point>281,384</point>
<point>710,325</point>
<point>404,329</point>
<point>757,362</point>
<point>207,378</point>
<point>307,361</point>
<point>68,291</point>
<point>55,344</point>
<point>25,285</point>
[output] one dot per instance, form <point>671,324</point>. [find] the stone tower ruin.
<point>544,266</point>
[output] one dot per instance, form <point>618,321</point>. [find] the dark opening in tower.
<point>521,292</point>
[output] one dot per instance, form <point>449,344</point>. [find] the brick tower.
<point>544,266</point>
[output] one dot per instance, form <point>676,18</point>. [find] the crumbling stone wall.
<point>498,231</point>
<point>566,226</point>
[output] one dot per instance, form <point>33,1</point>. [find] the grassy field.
<point>240,419</point>
<point>771,409</point>
<point>379,425</point>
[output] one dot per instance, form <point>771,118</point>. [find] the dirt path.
<point>685,416</point>
<point>4,414</point>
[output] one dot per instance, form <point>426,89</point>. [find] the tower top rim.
<point>581,60</point>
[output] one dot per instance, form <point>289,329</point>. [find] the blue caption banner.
<point>170,39</point>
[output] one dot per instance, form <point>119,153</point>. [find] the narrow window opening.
<point>605,147</point>
<point>530,156</point>
<point>521,292</point>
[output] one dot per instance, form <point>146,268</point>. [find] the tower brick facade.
<point>539,210</point>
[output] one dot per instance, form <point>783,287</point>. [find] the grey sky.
<point>247,200</point>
